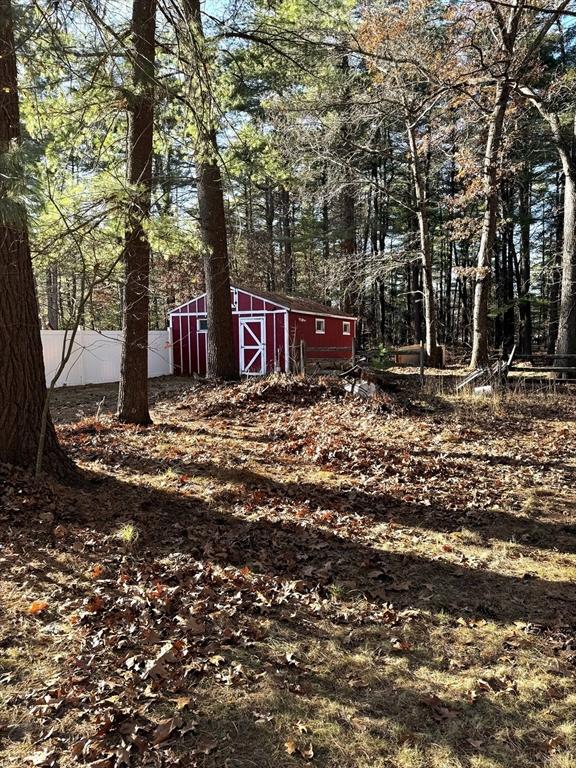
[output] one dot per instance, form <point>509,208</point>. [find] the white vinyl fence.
<point>96,355</point>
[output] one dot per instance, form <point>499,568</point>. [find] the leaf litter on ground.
<point>277,512</point>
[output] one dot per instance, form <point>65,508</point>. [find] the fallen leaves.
<point>400,645</point>
<point>280,537</point>
<point>44,758</point>
<point>204,746</point>
<point>298,748</point>
<point>165,729</point>
<point>97,571</point>
<point>182,702</point>
<point>37,606</point>
<point>94,604</point>
<point>496,685</point>
<point>440,710</point>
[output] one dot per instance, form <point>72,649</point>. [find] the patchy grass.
<point>275,574</point>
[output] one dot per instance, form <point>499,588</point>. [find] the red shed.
<point>270,330</point>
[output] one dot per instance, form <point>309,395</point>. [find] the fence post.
<point>170,349</point>
<point>80,341</point>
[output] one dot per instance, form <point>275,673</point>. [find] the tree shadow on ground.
<point>374,507</point>
<point>294,549</point>
<point>366,704</point>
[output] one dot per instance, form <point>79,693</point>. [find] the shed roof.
<point>295,303</point>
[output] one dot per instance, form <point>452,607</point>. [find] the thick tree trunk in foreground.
<point>488,237</point>
<point>222,362</point>
<point>22,382</point>
<point>133,394</point>
<point>222,359</point>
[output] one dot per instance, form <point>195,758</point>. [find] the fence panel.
<point>96,356</point>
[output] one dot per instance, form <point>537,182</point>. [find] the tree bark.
<point>269,215</point>
<point>347,202</point>
<point>566,334</point>
<point>508,261</point>
<point>566,147</point>
<point>222,361</point>
<point>566,339</point>
<point>133,393</point>
<point>556,269</point>
<point>222,358</point>
<point>287,238</point>
<point>325,231</point>
<point>52,296</point>
<point>499,243</point>
<point>418,177</point>
<point>22,384</point>
<point>488,236</point>
<point>524,306</point>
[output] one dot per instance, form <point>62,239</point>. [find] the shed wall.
<point>333,344</point>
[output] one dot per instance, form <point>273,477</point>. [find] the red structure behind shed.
<point>271,333</point>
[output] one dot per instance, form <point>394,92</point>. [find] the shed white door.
<point>252,346</point>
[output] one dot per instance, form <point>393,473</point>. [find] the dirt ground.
<point>276,573</point>
<point>74,403</point>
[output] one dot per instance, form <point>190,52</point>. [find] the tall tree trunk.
<point>488,237</point>
<point>465,295</point>
<point>508,261</point>
<point>509,317</point>
<point>133,393</point>
<point>499,243</point>
<point>222,357</point>
<point>22,383</point>
<point>347,202</point>
<point>52,297</point>
<point>222,360</point>
<point>566,337</point>
<point>566,146</point>
<point>250,240</point>
<point>419,179</point>
<point>566,340</point>
<point>452,254</point>
<point>556,269</point>
<point>269,214</point>
<point>417,301</point>
<point>325,231</point>
<point>348,245</point>
<point>287,239</point>
<point>524,306</point>
<point>381,217</point>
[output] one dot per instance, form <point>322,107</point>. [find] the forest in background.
<point>354,143</point>
<point>411,162</point>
